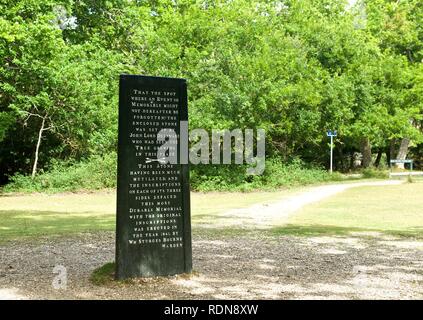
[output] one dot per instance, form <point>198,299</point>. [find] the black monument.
<point>153,229</point>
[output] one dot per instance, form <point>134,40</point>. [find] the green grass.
<point>35,215</point>
<point>27,216</point>
<point>17,224</point>
<point>103,275</point>
<point>396,210</point>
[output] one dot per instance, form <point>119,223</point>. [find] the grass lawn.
<point>23,216</point>
<point>396,209</point>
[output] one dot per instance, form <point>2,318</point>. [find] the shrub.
<point>277,174</point>
<point>100,172</point>
<point>375,173</point>
<point>94,173</point>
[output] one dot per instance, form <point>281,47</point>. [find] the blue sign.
<point>329,133</point>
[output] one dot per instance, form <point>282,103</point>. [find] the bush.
<point>100,172</point>
<point>94,173</point>
<point>277,174</point>
<point>375,173</point>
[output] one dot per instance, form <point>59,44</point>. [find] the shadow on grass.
<point>17,224</point>
<point>328,230</point>
<point>201,232</point>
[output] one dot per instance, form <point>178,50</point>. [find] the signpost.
<point>331,134</point>
<point>394,161</point>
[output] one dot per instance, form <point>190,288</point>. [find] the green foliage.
<point>100,172</point>
<point>277,174</point>
<point>293,68</point>
<point>375,173</point>
<point>95,173</point>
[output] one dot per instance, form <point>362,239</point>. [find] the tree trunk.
<point>402,152</point>
<point>366,151</point>
<point>392,148</point>
<point>37,148</point>
<point>351,160</point>
<point>341,157</point>
<point>390,152</point>
<point>379,156</point>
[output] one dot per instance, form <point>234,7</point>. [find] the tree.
<point>59,93</point>
<point>397,26</point>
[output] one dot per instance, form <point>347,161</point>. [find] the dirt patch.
<point>276,213</point>
<point>256,266</point>
<point>10,294</point>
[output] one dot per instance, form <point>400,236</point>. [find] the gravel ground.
<point>248,266</point>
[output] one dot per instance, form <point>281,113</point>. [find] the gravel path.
<point>275,213</point>
<point>251,266</point>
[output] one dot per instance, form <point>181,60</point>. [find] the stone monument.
<point>153,229</point>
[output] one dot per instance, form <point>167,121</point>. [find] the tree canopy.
<point>293,68</point>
